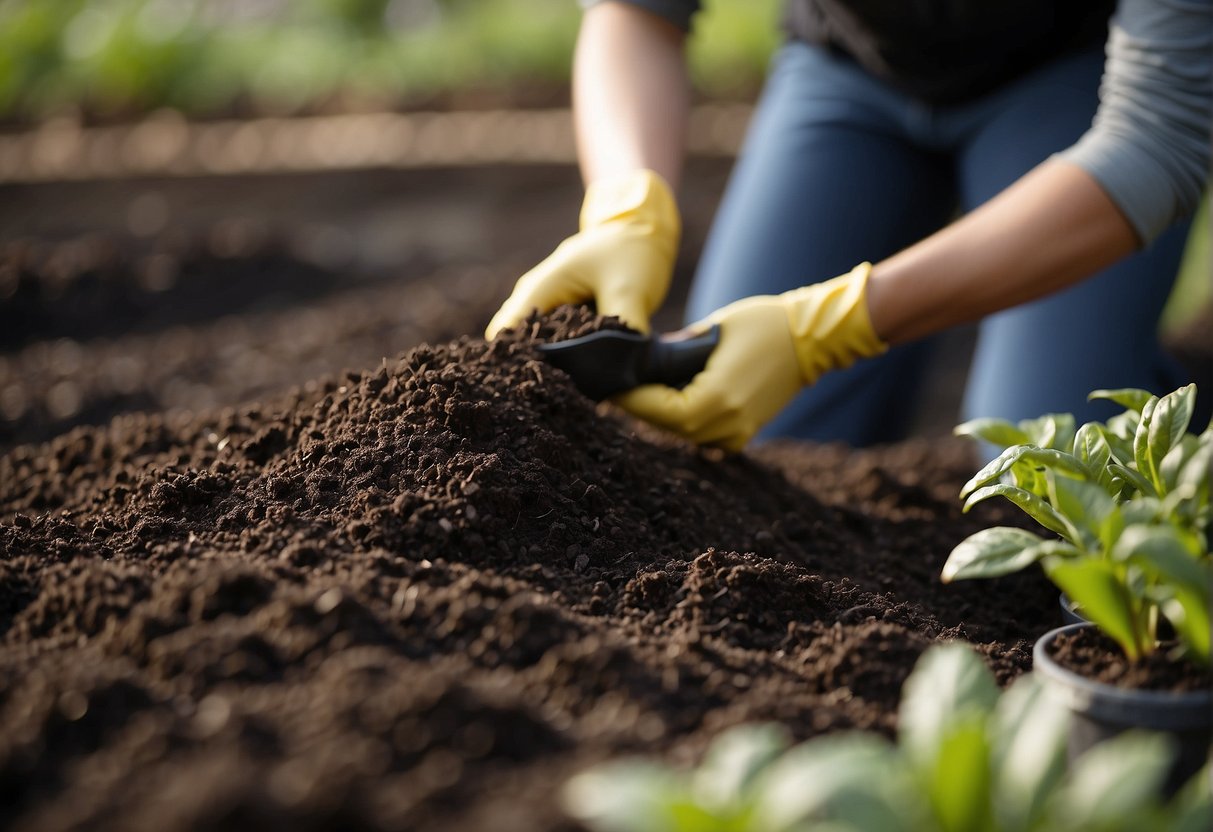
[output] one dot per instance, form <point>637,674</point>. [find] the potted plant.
<point>1127,503</point>
<point>966,759</point>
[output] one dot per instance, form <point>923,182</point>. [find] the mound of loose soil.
<point>419,597</point>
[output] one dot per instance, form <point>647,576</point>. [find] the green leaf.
<point>948,682</point>
<point>1178,507</point>
<point>990,553</point>
<point>1198,471</point>
<point>1063,431</point>
<point>847,778</point>
<point>1195,485</point>
<point>1027,457</point>
<point>1145,463</point>
<point>1171,559</point>
<point>1164,553</point>
<point>1029,741</point>
<point>1093,451</point>
<point>734,760</point>
<point>845,826</point>
<point>945,704</point>
<point>1168,423</point>
<point>634,796</point>
<point>1124,425</point>
<point>1188,613</point>
<point>1111,528</point>
<point>993,469</point>
<point>1035,507</point>
<point>1130,398</point>
<point>1030,476</point>
<point>1192,808</point>
<point>1173,463</point>
<point>1134,479</point>
<point>1061,461</point>
<point>1115,780</point>
<point>1100,588</point>
<point>688,816</point>
<point>1142,511</point>
<point>1085,505</point>
<point>959,781</point>
<point>1040,431</point>
<point>1053,549</point>
<point>1052,430</point>
<point>996,431</point>
<point>1121,446</point>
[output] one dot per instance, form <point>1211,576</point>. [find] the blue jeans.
<point>839,168</point>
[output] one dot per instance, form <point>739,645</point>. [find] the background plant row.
<point>206,56</point>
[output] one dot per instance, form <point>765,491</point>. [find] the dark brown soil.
<point>95,327</point>
<point>1093,655</point>
<point>418,597</point>
<point>95,287</point>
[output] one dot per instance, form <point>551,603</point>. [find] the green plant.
<point>122,57</point>
<point>966,759</point>
<point>1128,501</point>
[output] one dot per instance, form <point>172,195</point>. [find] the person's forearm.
<point>1049,230</point>
<point>631,93</point>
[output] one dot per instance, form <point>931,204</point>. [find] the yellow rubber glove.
<point>622,258</point>
<point>770,347</point>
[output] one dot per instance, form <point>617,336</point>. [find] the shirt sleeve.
<point>678,12</point>
<point>1149,145</point>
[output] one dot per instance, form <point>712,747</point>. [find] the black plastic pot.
<point>1100,711</point>
<point>1069,611</point>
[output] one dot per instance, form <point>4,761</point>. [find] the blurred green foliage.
<point>118,57</point>
<point>1194,286</point>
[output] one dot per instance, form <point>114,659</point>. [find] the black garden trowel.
<point>611,361</point>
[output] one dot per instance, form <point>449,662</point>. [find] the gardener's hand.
<point>770,347</point>
<point>621,259</point>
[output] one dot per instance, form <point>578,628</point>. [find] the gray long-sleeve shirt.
<point>1150,144</point>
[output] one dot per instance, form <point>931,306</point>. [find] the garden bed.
<point>421,594</point>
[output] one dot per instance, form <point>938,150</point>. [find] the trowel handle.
<point>674,360</point>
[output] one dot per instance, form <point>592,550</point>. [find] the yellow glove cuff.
<point>830,325</point>
<point>641,199</point>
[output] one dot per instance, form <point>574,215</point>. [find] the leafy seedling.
<point>1128,506</point>
<point>966,759</point>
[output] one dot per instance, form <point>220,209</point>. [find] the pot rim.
<point>1163,710</point>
